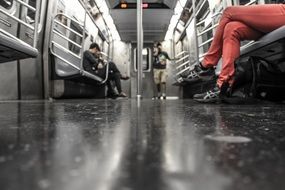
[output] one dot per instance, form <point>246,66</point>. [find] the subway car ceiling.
<point>155,21</point>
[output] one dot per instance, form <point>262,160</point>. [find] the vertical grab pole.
<point>195,30</point>
<point>139,48</point>
<point>83,41</point>
<point>37,18</point>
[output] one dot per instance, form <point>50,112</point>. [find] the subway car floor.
<point>147,145</point>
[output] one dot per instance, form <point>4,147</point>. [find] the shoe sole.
<point>213,100</point>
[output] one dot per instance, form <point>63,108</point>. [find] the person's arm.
<point>167,57</point>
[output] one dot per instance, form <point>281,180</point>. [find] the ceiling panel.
<point>155,21</point>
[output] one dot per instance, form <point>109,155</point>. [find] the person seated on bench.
<point>93,63</point>
<point>236,24</point>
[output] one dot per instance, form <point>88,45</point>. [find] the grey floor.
<point>154,145</point>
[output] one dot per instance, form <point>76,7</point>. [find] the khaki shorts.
<point>160,76</point>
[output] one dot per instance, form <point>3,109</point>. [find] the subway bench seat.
<point>12,48</point>
<point>270,47</point>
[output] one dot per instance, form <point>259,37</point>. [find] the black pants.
<point>114,75</point>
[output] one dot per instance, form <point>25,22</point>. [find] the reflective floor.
<point>157,145</point>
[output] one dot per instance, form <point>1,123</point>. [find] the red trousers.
<point>241,23</point>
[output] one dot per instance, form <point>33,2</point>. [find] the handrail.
<point>64,49</point>
<point>206,42</point>
<point>16,19</point>
<point>181,59</point>
<point>208,29</point>
<point>66,16</point>
<point>26,5</point>
<point>183,64</point>
<point>68,62</point>
<point>201,6</point>
<point>202,55</point>
<point>55,44</point>
<point>70,29</point>
<point>19,20</point>
<point>217,14</point>
<point>82,72</point>
<point>182,71</point>
<point>180,53</point>
<point>250,3</point>
<point>67,39</point>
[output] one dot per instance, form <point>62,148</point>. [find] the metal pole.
<point>195,30</point>
<point>37,18</point>
<point>83,40</point>
<point>139,48</point>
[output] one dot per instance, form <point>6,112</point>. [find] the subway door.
<point>147,76</point>
<point>31,70</point>
<point>8,71</point>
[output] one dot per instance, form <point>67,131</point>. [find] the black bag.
<point>258,79</point>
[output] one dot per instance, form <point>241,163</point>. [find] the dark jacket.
<point>90,62</point>
<point>158,59</point>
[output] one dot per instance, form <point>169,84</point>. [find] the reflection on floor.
<point>157,145</point>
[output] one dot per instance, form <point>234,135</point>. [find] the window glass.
<point>7,4</point>
<point>31,14</point>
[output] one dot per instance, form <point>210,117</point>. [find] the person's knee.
<point>229,10</point>
<point>232,30</point>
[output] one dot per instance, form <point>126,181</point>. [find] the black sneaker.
<point>198,73</point>
<point>210,96</point>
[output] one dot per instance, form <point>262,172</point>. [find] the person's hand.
<point>124,77</point>
<point>163,62</point>
<point>100,66</point>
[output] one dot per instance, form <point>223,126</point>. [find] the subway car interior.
<point>115,95</point>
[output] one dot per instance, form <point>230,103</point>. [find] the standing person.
<point>93,63</point>
<point>159,70</point>
<point>236,24</point>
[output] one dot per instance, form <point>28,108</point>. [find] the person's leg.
<point>110,86</point>
<point>113,67</point>
<point>262,18</point>
<point>234,32</point>
<point>156,74</point>
<point>163,82</point>
<point>117,81</point>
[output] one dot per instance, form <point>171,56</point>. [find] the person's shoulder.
<point>86,52</point>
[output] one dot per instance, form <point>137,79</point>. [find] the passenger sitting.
<point>237,23</point>
<point>93,63</point>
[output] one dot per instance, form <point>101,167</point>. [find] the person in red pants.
<point>236,24</point>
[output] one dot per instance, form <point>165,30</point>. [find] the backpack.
<point>257,79</point>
